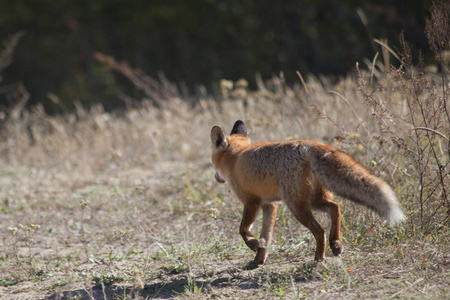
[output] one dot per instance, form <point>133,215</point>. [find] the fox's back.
<point>260,159</point>
<point>263,167</point>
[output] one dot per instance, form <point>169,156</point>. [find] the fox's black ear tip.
<point>239,128</point>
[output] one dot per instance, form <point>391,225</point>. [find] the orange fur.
<point>302,174</point>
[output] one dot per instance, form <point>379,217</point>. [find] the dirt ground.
<point>171,232</point>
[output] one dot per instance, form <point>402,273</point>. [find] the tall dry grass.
<point>397,125</point>
<point>393,120</point>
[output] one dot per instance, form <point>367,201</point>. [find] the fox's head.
<point>225,147</point>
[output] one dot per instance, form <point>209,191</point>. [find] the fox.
<point>302,174</point>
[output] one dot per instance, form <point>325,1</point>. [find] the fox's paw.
<point>336,247</point>
<point>261,256</point>
<point>253,244</point>
<point>318,258</point>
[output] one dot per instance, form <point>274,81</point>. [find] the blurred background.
<point>193,44</point>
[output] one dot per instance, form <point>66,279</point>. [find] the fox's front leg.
<point>269,217</point>
<point>248,218</point>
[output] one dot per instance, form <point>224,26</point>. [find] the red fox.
<point>302,174</point>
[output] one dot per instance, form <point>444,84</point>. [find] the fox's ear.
<point>218,139</point>
<point>239,128</point>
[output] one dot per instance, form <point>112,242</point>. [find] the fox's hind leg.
<point>269,216</point>
<point>323,199</point>
<point>302,211</point>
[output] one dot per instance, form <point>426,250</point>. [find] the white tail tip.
<point>395,216</point>
<point>392,210</point>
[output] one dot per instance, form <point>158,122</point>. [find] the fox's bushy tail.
<point>338,172</point>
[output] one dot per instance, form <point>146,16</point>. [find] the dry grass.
<point>128,207</point>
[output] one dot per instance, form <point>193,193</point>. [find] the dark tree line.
<point>194,42</point>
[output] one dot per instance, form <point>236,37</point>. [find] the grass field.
<point>98,205</point>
